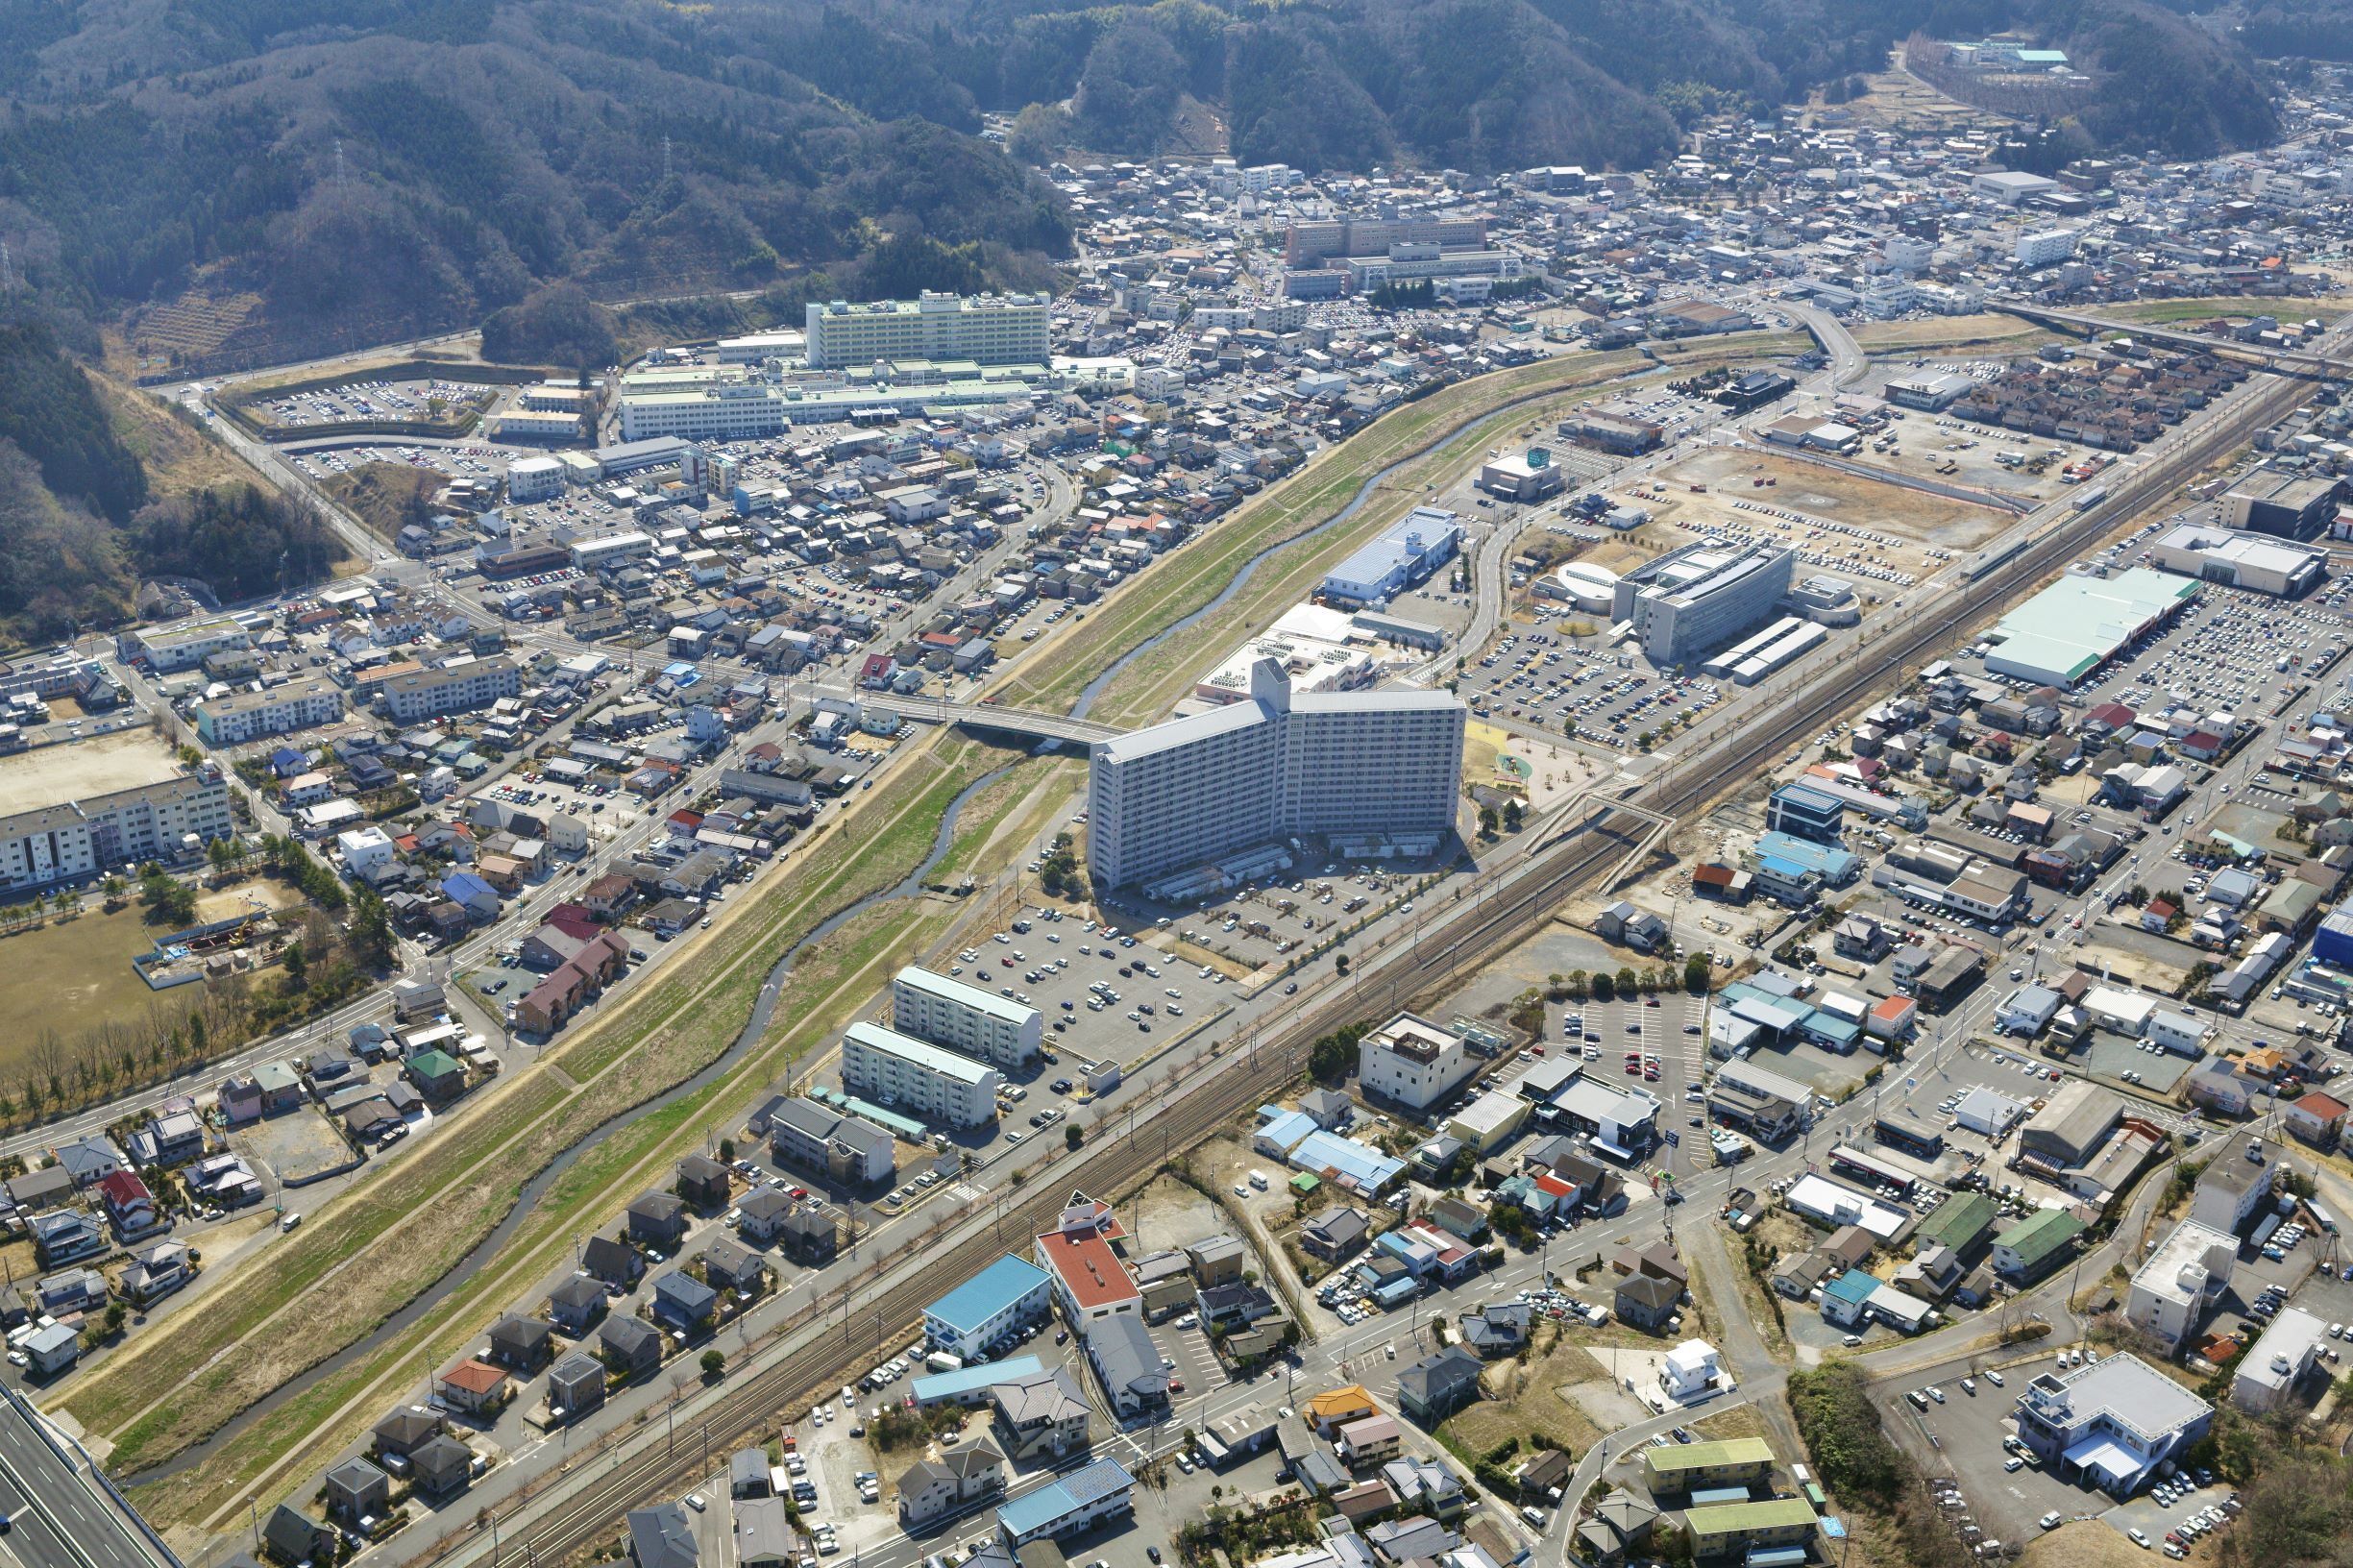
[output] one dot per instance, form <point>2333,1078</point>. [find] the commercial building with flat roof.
<point>2259,561</point>
<point>1181,796</point>
<point>2112,1421</point>
<point>986,329</point>
<point>1691,601</point>
<point>980,1023</point>
<point>1089,1281</point>
<point>1412,1061</point>
<point>899,1069</point>
<point>2071,629</point>
<point>1419,543</point>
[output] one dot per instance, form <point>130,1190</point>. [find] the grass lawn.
<point>73,976</point>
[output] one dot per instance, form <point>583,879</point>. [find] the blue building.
<point>2332,944</point>
<point>1794,870</point>
<point>1419,543</point>
<point>988,1309</point>
<point>1804,812</point>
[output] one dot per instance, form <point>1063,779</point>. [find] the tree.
<point>1695,973</point>
<point>1513,815</point>
<point>1627,982</point>
<point>727,1151</point>
<point>297,963</point>
<point>713,1364</point>
<point>1071,1136</point>
<point>1487,822</point>
<point>1605,984</point>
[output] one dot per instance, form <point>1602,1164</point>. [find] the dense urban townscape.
<point>1329,864</point>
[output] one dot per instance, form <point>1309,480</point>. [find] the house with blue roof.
<point>1357,1166</point>
<point>969,1385</point>
<point>1845,1299</point>
<point>469,893</point>
<point>1079,1501</point>
<point>1282,1132</point>
<point>988,1308</point>
<point>1792,870</point>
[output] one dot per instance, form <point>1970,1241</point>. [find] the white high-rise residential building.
<point>979,1023</point>
<point>2043,247</point>
<point>1275,766</point>
<point>901,1071</point>
<point>986,329</point>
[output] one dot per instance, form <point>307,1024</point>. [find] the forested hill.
<point>1486,85</point>
<point>374,167</point>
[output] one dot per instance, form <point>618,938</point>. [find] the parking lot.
<point>1259,924</point>
<point>1549,679</point>
<point>2233,650</point>
<point>369,400</point>
<point>1104,994</point>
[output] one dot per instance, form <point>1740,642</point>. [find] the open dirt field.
<point>1524,1398</point>
<point>98,765</point>
<point>1801,487</point>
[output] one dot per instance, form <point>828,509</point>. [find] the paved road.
<point>57,1516</point>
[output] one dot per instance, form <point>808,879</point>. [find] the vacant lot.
<point>104,763</point>
<point>1524,1399</point>
<point>73,976</point>
<point>1823,491</point>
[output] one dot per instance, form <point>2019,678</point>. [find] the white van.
<point>1258,1179</point>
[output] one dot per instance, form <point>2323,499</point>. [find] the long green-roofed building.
<point>1733,1528</point>
<point>1682,1467</point>
<point>1960,1222</point>
<point>2070,629</point>
<point>2033,1246</point>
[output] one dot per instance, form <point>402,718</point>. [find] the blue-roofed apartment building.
<point>988,1308</point>
<point>1792,870</point>
<point>1078,1500</point>
<point>1804,812</point>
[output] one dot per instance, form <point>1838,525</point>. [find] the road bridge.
<point>2284,361</point>
<point>994,716</point>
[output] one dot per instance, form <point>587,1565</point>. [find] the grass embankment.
<point>363,1256</point>
<point>385,497</point>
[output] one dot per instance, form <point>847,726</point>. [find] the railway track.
<point>590,1513</point>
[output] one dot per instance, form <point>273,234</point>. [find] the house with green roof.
<point>1960,1222</point>
<point>437,1075</point>
<point>2035,1245</point>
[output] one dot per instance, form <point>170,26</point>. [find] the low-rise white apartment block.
<point>1246,775</point>
<point>167,649</point>
<point>2172,1289</point>
<point>301,703</point>
<point>979,1023</point>
<point>455,688</point>
<point>169,821</point>
<point>986,329</point>
<point>1412,1061</point>
<point>920,1078</point>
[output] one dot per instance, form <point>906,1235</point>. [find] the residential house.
<point>930,1490</point>
<point>520,1344</point>
<point>1435,1386</point>
<point>290,1535</point>
<point>399,1434</point>
<point>472,1385</point>
<point>442,1465</point>
<point>575,1387</point>
<point>1645,1301</point>
<point>630,1345</point>
<point>703,1181</point>
<point>658,1219</point>
<point>576,1305</point>
<point>357,1490</point>
<point>661,1537</point>
<point>616,1265</point>
<point>1335,1235</point>
<point>684,1302</point>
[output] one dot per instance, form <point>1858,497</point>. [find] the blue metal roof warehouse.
<point>968,1384</point>
<point>1412,547</point>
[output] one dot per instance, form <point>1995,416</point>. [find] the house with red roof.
<point>2316,1118</point>
<point>128,1204</point>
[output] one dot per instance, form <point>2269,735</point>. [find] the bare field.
<point>48,774</point>
<point>1801,487</point>
<point>74,976</point>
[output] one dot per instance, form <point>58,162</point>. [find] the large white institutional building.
<point>1274,766</point>
<point>985,329</point>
